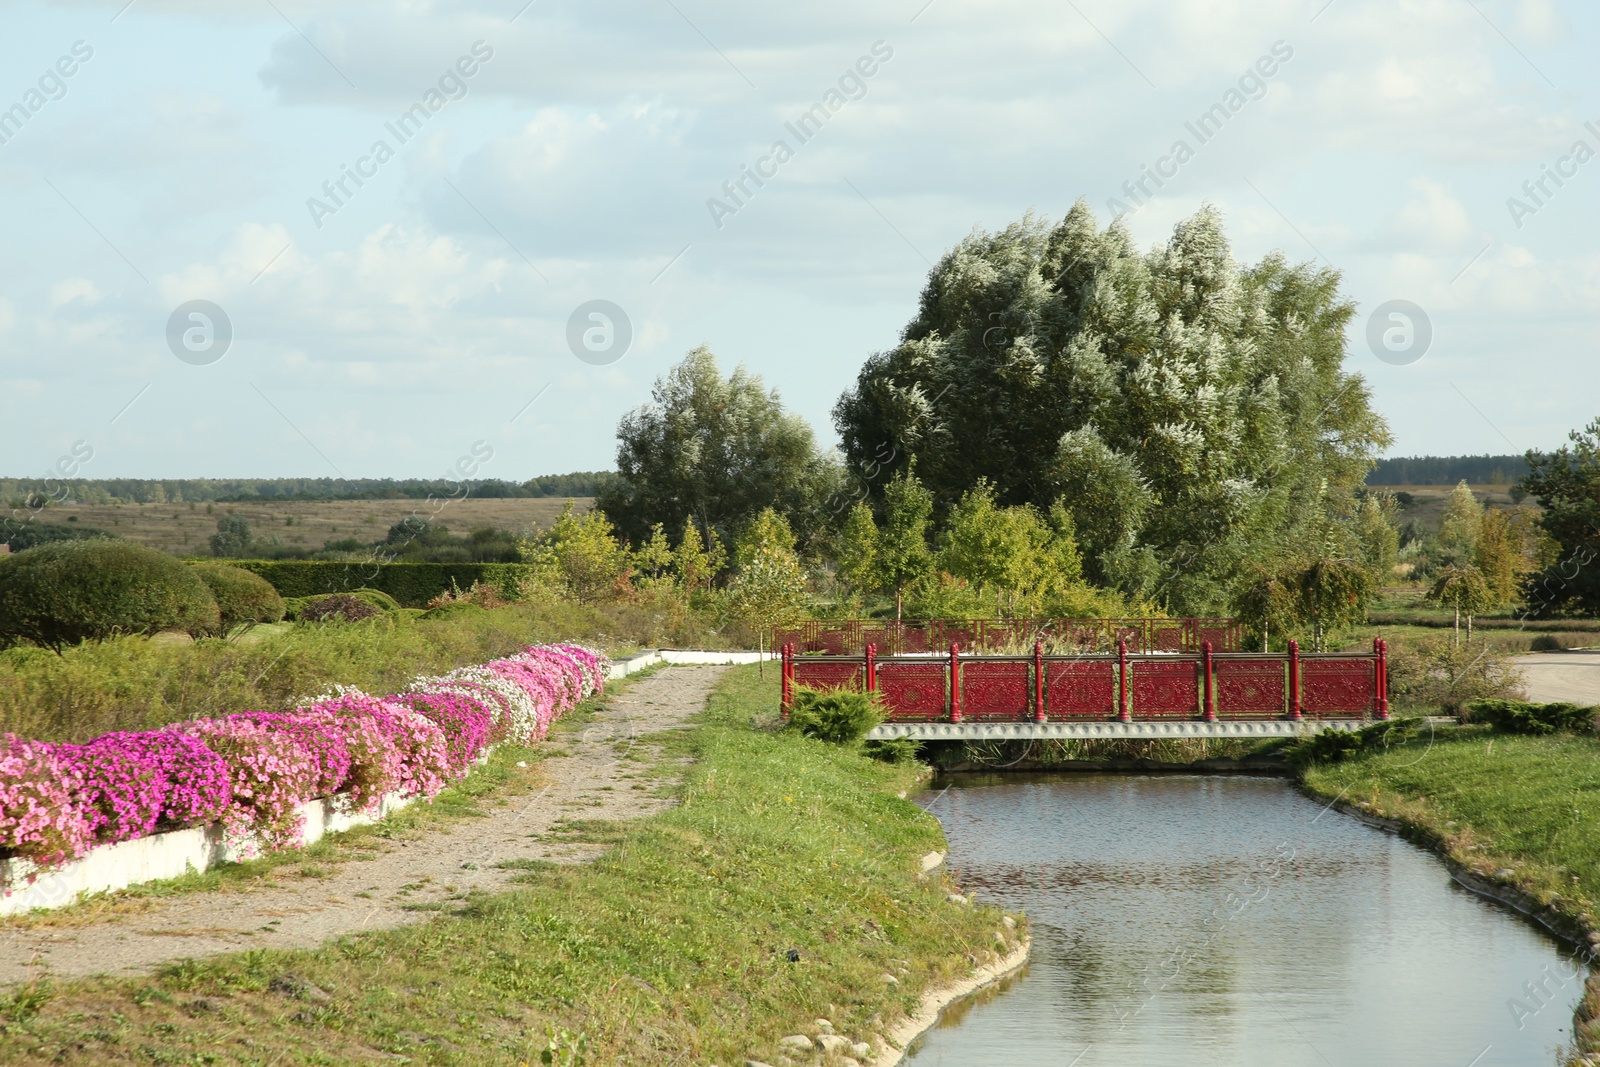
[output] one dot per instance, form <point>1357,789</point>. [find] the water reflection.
<point>1232,921</point>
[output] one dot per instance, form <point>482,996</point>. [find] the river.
<point>1232,921</point>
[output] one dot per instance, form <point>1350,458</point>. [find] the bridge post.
<point>955,682</point>
<point>1294,681</point>
<point>1380,688</point>
<point>1211,696</point>
<point>786,676</point>
<point>1122,680</point>
<point>872,668</point>
<point>1038,681</point>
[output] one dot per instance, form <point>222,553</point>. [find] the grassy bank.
<point>673,948</point>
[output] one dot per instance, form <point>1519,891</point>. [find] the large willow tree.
<point>1192,414</point>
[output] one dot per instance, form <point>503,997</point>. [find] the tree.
<point>696,564</point>
<point>903,554</point>
<point>1270,601</point>
<point>1566,483</point>
<point>581,554</point>
<point>769,588</point>
<point>1508,551</point>
<point>1463,588</point>
<point>654,558</point>
<point>858,550</point>
<point>1460,527</point>
<point>1378,535</point>
<point>1193,414</point>
<point>233,536</point>
<point>716,451</point>
<point>1333,591</point>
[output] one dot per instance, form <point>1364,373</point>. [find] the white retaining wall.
<point>169,855</point>
<point>177,852</point>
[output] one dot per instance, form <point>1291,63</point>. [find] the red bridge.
<point>850,637</point>
<point>1121,694</point>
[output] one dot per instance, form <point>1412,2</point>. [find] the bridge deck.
<point>1021,731</point>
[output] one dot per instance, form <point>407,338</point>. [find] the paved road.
<point>1573,676</point>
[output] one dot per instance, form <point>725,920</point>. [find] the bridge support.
<point>1108,729</point>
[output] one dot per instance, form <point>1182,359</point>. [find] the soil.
<point>603,772</point>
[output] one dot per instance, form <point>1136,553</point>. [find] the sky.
<point>280,238</point>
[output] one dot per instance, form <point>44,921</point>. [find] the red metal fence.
<point>850,637</point>
<point>1124,685</point>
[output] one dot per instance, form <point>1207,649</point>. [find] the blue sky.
<point>576,161</point>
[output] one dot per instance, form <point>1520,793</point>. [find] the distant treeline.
<point>1448,470</point>
<point>16,491</point>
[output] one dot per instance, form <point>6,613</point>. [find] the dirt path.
<point>409,882</point>
<point>1552,676</point>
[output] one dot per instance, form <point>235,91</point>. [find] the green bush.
<point>838,716</point>
<point>454,610</point>
<point>378,599</point>
<point>412,585</point>
<point>893,749</point>
<point>1522,717</point>
<point>1335,746</point>
<point>241,597</point>
<point>340,607</point>
<point>67,592</point>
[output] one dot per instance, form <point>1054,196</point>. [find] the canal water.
<point>1231,921</point>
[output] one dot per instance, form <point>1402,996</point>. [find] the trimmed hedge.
<point>241,596</point>
<point>1525,717</point>
<point>70,591</point>
<point>411,584</point>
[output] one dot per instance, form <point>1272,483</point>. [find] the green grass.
<point>670,949</point>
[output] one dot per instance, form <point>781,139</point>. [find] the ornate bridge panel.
<point>1251,687</point>
<point>1333,687</point>
<point>826,674</point>
<point>965,636</point>
<point>913,691</point>
<point>1165,689</point>
<point>1080,689</point>
<point>1134,635</point>
<point>996,690</point>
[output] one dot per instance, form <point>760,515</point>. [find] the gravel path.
<point>1551,676</point>
<point>406,881</point>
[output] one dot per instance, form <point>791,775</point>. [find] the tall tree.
<point>903,553</point>
<point>1193,414</point>
<point>1462,587</point>
<point>1460,526</point>
<point>770,587</point>
<point>1566,483</point>
<point>858,551</point>
<point>715,451</point>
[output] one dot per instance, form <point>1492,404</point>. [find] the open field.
<point>1427,501</point>
<point>309,523</point>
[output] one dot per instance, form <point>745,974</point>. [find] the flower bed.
<point>254,772</point>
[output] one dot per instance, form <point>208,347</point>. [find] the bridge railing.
<point>1125,685</point>
<point>850,637</point>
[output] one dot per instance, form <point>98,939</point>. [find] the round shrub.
<point>379,599</point>
<point>838,716</point>
<point>242,596</point>
<point>72,591</point>
<point>336,607</point>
